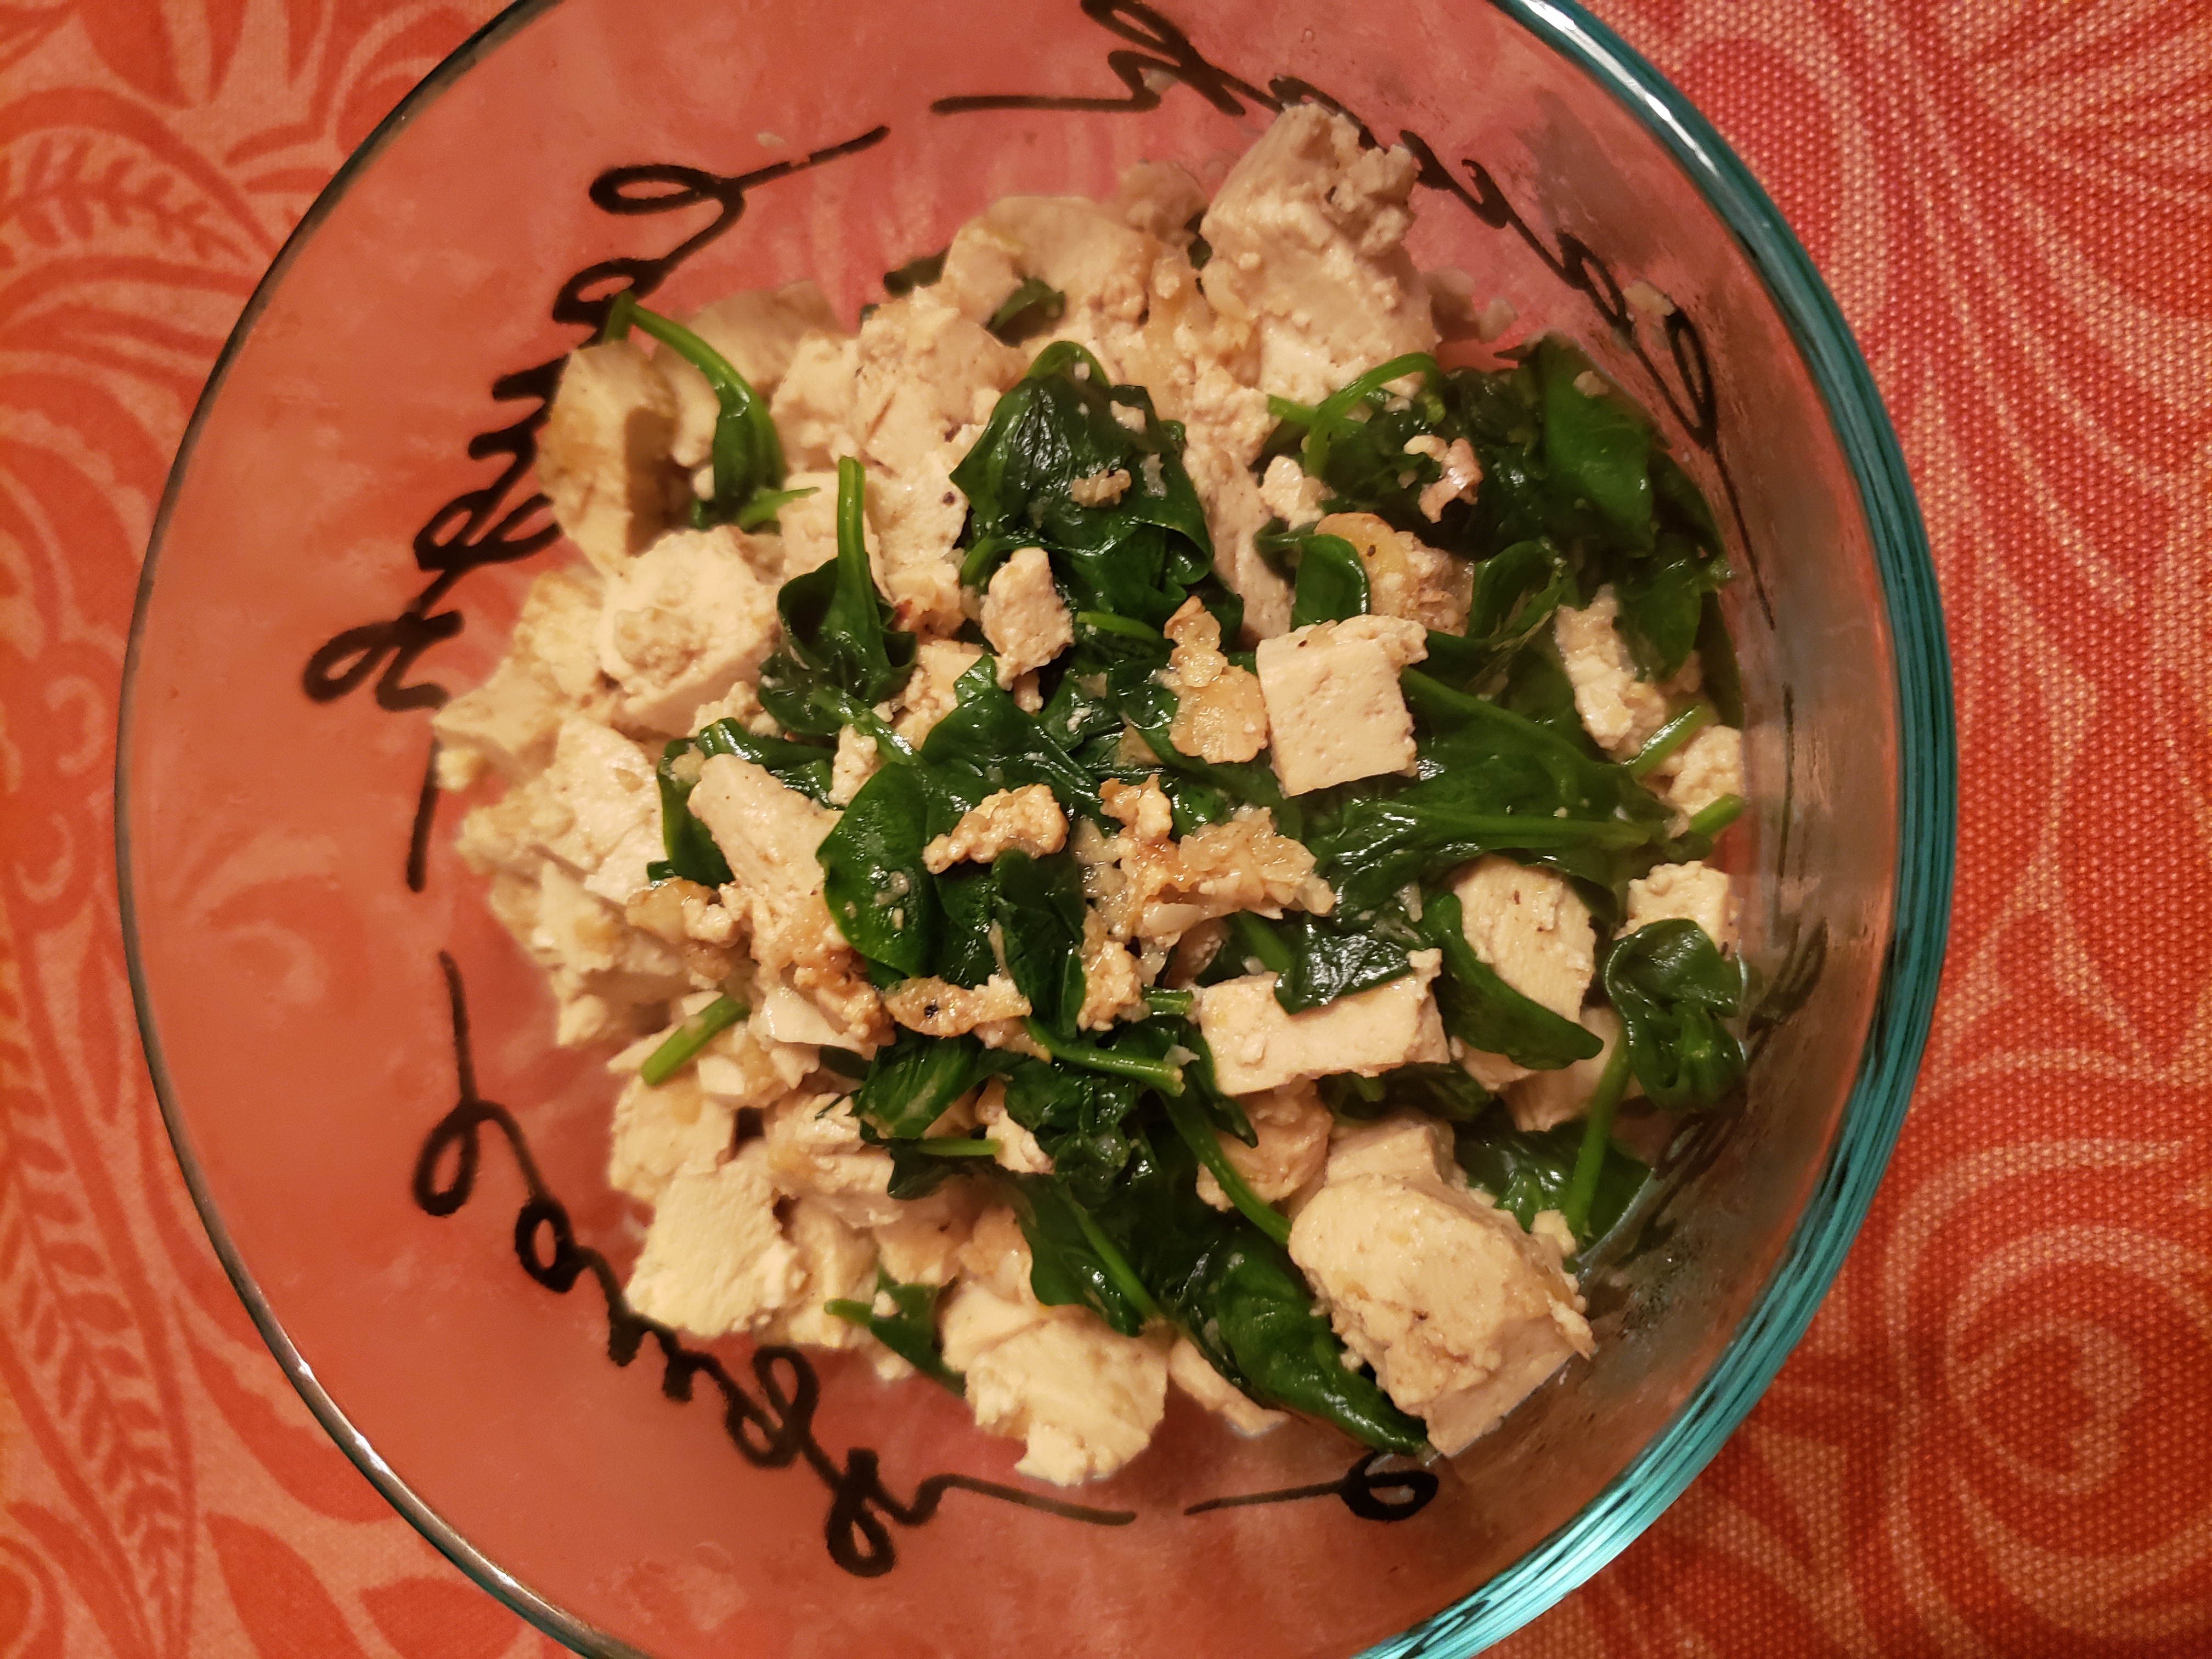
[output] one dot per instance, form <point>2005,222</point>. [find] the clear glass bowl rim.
<point>1927,808</point>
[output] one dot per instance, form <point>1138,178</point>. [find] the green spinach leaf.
<point>1673,988</point>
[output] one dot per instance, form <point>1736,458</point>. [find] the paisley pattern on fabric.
<point>1996,1438</point>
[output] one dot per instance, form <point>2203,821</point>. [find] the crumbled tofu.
<point>1693,892</point>
<point>1532,927</point>
<point>603,455</point>
<point>1085,1399</point>
<point>1191,1372</point>
<point>1460,1312</point>
<point>1294,1130</point>
<point>928,697</point>
<point>1018,1148</point>
<point>766,831</point>
<point>857,760</point>
<point>1113,988</point>
<point>1027,819</point>
<point>659,1131</point>
<point>1291,495</point>
<point>716,1259</point>
<point>684,621</point>
<point>939,1008</point>
<point>796,944</point>
<point>1333,701</point>
<point>745,1066</point>
<point>922,1244</point>
<point>1544,1100</point>
<point>1308,232</point>
<point>757,332</point>
<point>1406,577</point>
<point>1256,1046</point>
<point>1463,473</point>
<point>1617,709</point>
<point>1703,770</point>
<point>836,1260</point>
<point>1023,615</point>
<point>1220,714</point>
<point>1148,887</point>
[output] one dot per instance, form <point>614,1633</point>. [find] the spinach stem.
<point>1669,737</point>
<point>1159,1074</point>
<point>747,454</point>
<point>1711,820</point>
<point>1117,1265</point>
<point>683,1044</point>
<point>1178,1003</point>
<point>1199,1136</point>
<point>955,1146</point>
<point>1335,409</point>
<point>1597,1135</point>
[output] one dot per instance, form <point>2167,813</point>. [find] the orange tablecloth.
<point>1995,1439</point>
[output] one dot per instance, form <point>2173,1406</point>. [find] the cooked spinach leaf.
<point>879,889</point>
<point>1529,1172</point>
<point>1673,988</point>
<point>746,454</point>
<point>1327,961</point>
<point>908,1329</point>
<point>1034,306</point>
<point>1482,1011</point>
<point>837,633</point>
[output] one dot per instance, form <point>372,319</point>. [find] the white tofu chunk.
<point>1334,710</point>
<point>551,671</point>
<point>1257,1046</point>
<point>812,405</point>
<point>1693,892</point>
<point>1293,1128</point>
<point>1460,1312</point>
<point>836,1261</point>
<point>716,1259</point>
<point>603,455</point>
<point>757,332</point>
<point>1023,615</point>
<point>1084,1398</point>
<point>1531,926</point>
<point>1085,249</point>
<point>605,787</point>
<point>815,1152</point>
<point>1191,1372</point>
<point>1159,198</point>
<point>928,697</point>
<point>1619,711</point>
<point>659,1130</point>
<point>1308,232</point>
<point>810,524</point>
<point>1290,494</point>
<point>1544,1100</point>
<point>925,373</point>
<point>1405,1146</point>
<point>682,622</point>
<point>767,832</point>
<point>1705,768</point>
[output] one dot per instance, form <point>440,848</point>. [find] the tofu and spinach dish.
<point>1127,825</point>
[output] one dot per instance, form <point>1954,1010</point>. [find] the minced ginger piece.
<point>1219,712</point>
<point>1027,820</point>
<point>939,1008</point>
<point>1150,886</point>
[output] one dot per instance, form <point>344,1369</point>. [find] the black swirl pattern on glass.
<point>506,518</point>
<point>1380,1486</point>
<point>772,1422</point>
<point>1168,57</point>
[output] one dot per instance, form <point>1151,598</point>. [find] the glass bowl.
<point>405,1179</point>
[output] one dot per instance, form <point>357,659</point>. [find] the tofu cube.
<point>603,456</point>
<point>1334,706</point>
<point>682,623</point>
<point>767,832</point>
<point>1257,1046</point>
<point>1692,892</point>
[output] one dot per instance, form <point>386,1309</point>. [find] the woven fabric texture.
<point>1997,1437</point>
